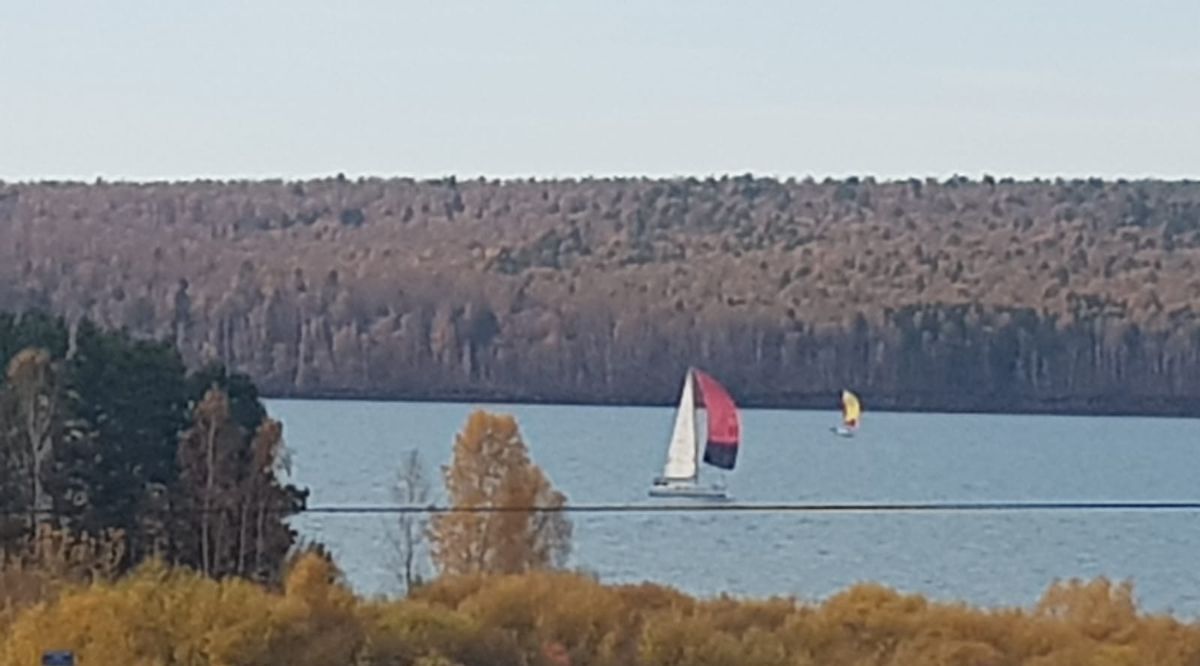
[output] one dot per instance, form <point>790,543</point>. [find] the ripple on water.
<point>348,452</point>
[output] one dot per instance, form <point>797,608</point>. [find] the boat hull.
<point>688,490</point>
<point>842,431</point>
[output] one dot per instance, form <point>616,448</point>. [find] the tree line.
<point>105,437</point>
<point>1045,295</point>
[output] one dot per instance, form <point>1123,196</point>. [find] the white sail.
<point>681,455</point>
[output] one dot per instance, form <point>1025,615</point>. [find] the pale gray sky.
<point>148,89</point>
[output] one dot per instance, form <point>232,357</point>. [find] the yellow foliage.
<point>62,554</point>
<point>649,597</point>
<point>491,469</point>
<point>174,616</point>
<point>52,560</point>
<point>450,591</point>
<point>419,633</point>
<point>1097,608</point>
<point>160,615</point>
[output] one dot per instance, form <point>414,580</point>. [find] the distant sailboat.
<point>681,474</point>
<point>851,412</point>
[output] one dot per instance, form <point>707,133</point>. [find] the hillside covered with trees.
<point>920,294</point>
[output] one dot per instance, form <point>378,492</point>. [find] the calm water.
<point>348,452</point>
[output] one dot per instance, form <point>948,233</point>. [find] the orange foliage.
<point>51,561</point>
<point>159,615</point>
<point>491,468</point>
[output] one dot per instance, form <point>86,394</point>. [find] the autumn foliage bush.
<point>163,615</point>
<point>50,560</point>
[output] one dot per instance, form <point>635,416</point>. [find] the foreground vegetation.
<point>989,295</point>
<point>160,615</point>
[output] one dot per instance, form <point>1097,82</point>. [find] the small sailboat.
<point>681,474</point>
<point>851,411</point>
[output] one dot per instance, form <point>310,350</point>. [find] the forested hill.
<point>993,295</point>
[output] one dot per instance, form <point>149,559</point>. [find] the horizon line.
<point>549,177</point>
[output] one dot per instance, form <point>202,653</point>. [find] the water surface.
<point>348,453</point>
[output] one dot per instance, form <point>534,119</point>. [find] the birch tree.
<point>33,414</point>
<point>230,498</point>
<point>492,476</point>
<point>412,489</point>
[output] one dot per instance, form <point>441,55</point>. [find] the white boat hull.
<point>687,490</point>
<point>842,431</point>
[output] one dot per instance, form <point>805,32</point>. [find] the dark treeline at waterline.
<point>1082,406</point>
<point>952,359</point>
<point>1042,296</point>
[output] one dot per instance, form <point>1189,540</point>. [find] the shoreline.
<point>1071,407</point>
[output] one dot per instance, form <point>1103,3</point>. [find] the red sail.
<point>724,427</point>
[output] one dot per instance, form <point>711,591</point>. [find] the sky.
<point>147,90</point>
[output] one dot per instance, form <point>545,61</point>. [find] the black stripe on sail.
<point>720,454</point>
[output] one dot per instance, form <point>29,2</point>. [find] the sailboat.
<point>681,474</point>
<point>851,411</point>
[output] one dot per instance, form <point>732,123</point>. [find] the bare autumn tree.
<point>206,456</point>
<point>258,531</point>
<point>229,495</point>
<point>412,489</point>
<point>33,414</point>
<point>491,469</point>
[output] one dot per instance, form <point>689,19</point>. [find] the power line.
<point>713,507</point>
<point>864,507</point>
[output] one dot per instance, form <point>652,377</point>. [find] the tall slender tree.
<point>207,464</point>
<point>265,501</point>
<point>230,501</point>
<point>32,382</point>
<point>412,489</point>
<point>491,469</point>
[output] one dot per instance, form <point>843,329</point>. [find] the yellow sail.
<point>851,409</point>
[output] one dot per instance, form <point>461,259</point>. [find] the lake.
<point>348,453</point>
